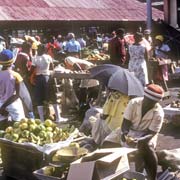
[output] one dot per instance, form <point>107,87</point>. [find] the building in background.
<point>172,13</point>
<point>53,16</point>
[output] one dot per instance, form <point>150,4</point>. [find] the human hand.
<point>132,142</point>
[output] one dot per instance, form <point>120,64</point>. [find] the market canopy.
<point>75,10</point>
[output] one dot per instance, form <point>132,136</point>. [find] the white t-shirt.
<point>42,64</point>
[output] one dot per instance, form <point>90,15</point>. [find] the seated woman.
<point>106,130</point>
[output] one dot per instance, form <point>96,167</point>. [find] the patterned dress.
<point>137,63</point>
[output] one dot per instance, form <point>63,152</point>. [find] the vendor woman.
<point>10,103</point>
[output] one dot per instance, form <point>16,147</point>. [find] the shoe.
<point>62,120</point>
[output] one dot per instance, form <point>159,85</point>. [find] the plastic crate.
<point>19,161</point>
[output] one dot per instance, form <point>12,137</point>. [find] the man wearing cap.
<point>143,119</point>
<point>10,103</point>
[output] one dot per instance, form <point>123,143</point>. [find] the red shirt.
<point>23,64</point>
<point>117,51</point>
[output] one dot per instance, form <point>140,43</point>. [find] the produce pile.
<point>94,55</point>
<point>36,131</point>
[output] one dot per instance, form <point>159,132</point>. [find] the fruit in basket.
<point>9,129</point>
<point>22,140</point>
<point>36,132</point>
<point>32,127</point>
<point>42,127</point>
<point>49,129</point>
<point>31,121</point>
<point>38,121</point>
<point>24,120</point>
<point>42,134</point>
<point>15,137</point>
<point>16,125</point>
<point>48,123</point>
<point>25,134</point>
<point>23,126</point>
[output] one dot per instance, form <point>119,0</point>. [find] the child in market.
<point>10,103</point>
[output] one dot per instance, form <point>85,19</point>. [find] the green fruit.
<point>38,121</point>
<point>15,137</point>
<point>37,130</point>
<point>32,127</point>
<point>22,140</point>
<point>42,134</point>
<point>42,127</point>
<point>49,129</point>
<point>49,137</point>
<point>24,120</point>
<point>48,123</point>
<point>9,129</point>
<point>25,134</point>
<point>16,124</point>
<point>33,138</point>
<point>23,126</point>
<point>31,121</point>
<point>17,131</point>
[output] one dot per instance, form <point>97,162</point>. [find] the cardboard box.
<point>102,164</point>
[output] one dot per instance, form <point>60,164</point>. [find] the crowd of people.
<point>132,122</point>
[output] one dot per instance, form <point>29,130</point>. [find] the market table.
<point>75,76</point>
<point>62,75</point>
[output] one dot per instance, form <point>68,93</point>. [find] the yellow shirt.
<point>114,107</point>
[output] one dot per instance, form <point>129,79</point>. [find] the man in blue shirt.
<point>73,47</point>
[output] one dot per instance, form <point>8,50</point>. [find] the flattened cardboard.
<point>102,164</point>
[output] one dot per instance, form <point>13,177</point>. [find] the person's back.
<point>42,64</point>
<point>117,48</point>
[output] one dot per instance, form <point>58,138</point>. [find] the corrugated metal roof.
<point>103,10</point>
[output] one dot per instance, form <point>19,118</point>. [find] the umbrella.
<point>103,72</point>
<point>125,82</point>
<point>117,78</point>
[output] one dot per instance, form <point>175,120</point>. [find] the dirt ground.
<point>169,137</point>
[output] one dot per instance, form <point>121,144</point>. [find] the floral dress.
<point>137,63</point>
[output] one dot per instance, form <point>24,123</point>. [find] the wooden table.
<point>61,75</point>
